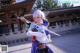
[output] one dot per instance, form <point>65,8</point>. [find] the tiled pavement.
<point>67,43</point>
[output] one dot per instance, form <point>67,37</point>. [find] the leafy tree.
<point>66,5</point>
<point>39,5</point>
<point>49,5</point>
<point>46,4</point>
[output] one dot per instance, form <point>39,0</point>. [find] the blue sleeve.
<point>45,23</point>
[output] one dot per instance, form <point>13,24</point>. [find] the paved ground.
<point>68,42</point>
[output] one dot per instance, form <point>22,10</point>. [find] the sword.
<point>45,28</point>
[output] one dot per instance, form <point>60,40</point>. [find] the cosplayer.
<point>39,32</point>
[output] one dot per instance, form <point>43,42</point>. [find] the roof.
<point>62,11</point>
<point>27,3</point>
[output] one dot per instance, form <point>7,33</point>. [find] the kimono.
<point>39,36</point>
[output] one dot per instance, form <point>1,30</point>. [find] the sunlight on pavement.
<point>20,48</point>
<point>55,49</point>
<point>27,48</point>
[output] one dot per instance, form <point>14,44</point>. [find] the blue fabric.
<point>35,46</point>
<point>38,28</point>
<point>45,23</point>
<point>46,32</point>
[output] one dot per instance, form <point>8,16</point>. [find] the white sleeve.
<point>31,33</point>
<point>38,34</point>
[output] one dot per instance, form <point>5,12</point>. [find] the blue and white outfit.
<point>45,23</point>
<point>41,35</point>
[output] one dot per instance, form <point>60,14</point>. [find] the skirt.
<point>35,48</point>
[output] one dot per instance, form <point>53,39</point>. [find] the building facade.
<point>12,29</point>
<point>64,19</point>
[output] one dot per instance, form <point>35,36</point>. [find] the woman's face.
<point>38,20</point>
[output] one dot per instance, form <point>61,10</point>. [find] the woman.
<point>39,35</point>
<point>39,32</point>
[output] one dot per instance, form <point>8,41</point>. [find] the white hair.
<point>38,13</point>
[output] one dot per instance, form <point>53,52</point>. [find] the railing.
<point>14,42</point>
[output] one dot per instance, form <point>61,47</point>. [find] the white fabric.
<point>41,37</point>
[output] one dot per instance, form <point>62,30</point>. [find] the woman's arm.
<point>24,20</point>
<point>31,33</point>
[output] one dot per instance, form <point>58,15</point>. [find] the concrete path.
<point>68,42</point>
